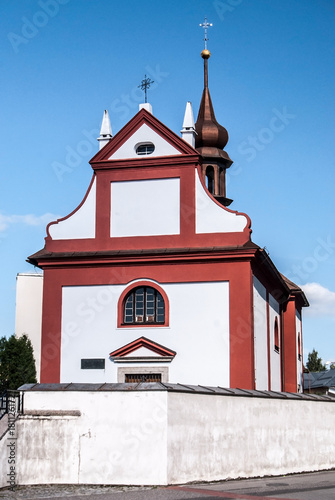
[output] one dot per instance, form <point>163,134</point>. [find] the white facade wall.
<point>275,357</point>
<point>265,315</point>
<point>260,336</point>
<point>158,437</point>
<point>28,314</point>
<point>198,331</point>
<point>298,329</point>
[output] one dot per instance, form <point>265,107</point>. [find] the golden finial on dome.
<point>205,54</point>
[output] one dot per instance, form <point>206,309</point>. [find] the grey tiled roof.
<point>316,380</point>
<point>181,388</point>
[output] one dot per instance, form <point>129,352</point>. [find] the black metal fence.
<point>12,400</point>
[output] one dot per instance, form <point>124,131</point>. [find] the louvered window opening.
<point>143,377</point>
<point>144,305</point>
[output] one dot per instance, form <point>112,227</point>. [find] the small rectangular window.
<point>93,364</point>
<point>142,377</point>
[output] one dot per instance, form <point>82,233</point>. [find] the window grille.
<point>143,377</point>
<point>144,305</point>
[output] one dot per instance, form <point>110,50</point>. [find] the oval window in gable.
<point>146,148</point>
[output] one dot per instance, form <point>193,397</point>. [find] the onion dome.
<point>211,137</point>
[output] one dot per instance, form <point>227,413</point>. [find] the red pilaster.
<point>290,347</point>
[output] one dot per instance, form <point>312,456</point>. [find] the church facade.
<point>154,278</point>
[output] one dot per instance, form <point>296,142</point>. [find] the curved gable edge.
<point>79,224</point>
<point>212,217</point>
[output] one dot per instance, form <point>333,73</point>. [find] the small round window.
<point>145,149</point>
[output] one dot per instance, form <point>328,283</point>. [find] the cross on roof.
<point>145,85</point>
<point>206,25</point>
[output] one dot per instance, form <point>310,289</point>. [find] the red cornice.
<point>166,256</point>
<point>134,124</point>
<point>155,161</point>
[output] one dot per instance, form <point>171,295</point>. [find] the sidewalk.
<point>309,486</point>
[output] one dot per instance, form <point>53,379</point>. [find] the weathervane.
<point>145,85</point>
<point>206,25</point>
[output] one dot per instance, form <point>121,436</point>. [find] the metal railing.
<point>12,400</point>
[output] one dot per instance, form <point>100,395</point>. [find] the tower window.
<point>144,305</point>
<point>210,179</point>
<point>145,148</point>
<point>299,347</point>
<point>276,336</point>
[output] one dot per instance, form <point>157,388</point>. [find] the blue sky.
<point>271,77</point>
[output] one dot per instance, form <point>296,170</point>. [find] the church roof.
<point>295,290</point>
<point>44,254</point>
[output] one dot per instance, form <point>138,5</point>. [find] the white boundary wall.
<point>156,437</point>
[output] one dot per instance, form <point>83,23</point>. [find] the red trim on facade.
<point>142,342</point>
<point>51,327</point>
<point>241,325</point>
<point>120,306</point>
<point>158,163</point>
<point>290,347</point>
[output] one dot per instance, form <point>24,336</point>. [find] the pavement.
<point>312,486</point>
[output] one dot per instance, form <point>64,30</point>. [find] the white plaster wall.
<point>28,313</point>
<point>213,218</point>
<point>120,438</point>
<point>274,355</point>
<point>298,329</point>
<point>198,330</point>
<point>4,456</point>
<point>260,336</point>
<point>153,437</point>
<point>81,224</point>
<point>213,438</point>
<point>142,135</point>
<point>145,207</point>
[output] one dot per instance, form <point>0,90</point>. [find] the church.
<point>153,278</point>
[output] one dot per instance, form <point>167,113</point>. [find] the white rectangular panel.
<point>145,207</point>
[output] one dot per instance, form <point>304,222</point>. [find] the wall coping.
<point>177,388</point>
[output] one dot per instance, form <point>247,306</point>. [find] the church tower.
<point>211,139</point>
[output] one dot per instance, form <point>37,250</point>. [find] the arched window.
<point>210,179</point>
<point>276,336</point>
<point>144,305</point>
